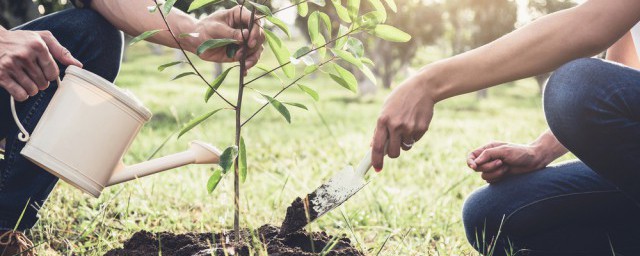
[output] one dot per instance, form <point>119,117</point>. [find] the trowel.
<point>328,196</point>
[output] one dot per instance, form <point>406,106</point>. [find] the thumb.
<point>59,52</point>
<point>488,155</point>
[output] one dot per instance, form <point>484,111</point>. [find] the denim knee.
<point>91,39</point>
<point>570,94</point>
<point>478,219</point>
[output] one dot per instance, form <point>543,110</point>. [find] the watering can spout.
<point>198,153</point>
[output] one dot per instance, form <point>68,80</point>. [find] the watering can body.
<point>88,127</point>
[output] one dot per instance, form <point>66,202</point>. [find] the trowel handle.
<point>365,163</point>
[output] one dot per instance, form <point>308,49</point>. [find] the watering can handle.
<point>24,134</point>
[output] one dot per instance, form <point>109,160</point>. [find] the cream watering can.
<point>88,126</point>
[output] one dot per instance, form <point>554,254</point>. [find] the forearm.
<point>539,47</point>
<point>133,18</point>
<point>548,148</point>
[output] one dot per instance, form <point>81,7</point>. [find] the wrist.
<point>433,79</point>
<point>186,24</point>
<point>542,155</point>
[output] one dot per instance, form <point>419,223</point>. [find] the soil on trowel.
<point>299,243</point>
<point>299,214</point>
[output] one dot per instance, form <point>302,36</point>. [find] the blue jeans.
<point>585,207</point>
<point>98,45</point>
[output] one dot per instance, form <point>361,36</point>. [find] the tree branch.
<point>282,90</point>
<point>289,62</point>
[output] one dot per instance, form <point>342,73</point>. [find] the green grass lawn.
<point>413,207</point>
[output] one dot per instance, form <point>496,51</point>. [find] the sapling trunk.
<point>238,109</point>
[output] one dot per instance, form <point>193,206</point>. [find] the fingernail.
<point>377,169</point>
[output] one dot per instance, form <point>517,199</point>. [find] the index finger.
<point>379,140</point>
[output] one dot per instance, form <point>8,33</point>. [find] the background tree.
<point>423,21</point>
<point>478,22</point>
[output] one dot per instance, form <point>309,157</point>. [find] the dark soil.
<point>299,243</point>
<point>299,214</point>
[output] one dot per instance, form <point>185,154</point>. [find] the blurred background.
<point>440,28</point>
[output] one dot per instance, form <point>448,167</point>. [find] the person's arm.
<point>133,18</point>
<point>498,159</point>
<point>539,47</point>
<point>624,52</point>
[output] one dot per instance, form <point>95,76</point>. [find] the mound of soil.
<point>299,243</point>
<point>299,214</point>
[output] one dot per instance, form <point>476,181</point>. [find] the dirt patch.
<point>299,214</point>
<point>299,243</point>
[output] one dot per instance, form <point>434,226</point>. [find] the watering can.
<point>89,125</point>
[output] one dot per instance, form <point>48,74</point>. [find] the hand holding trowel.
<point>328,196</point>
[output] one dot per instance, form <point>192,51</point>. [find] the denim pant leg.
<point>593,108</point>
<point>562,210</point>
<point>98,45</point>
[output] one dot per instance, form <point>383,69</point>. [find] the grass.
<point>413,207</point>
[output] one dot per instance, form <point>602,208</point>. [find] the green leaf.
<point>214,43</point>
<point>302,55</point>
<point>355,47</point>
<point>342,39</point>
<point>216,84</point>
<point>348,57</point>
<point>303,7</point>
<point>196,121</point>
<point>152,8</point>
<point>313,26</point>
<point>367,72</point>
<point>342,12</point>
<point>392,5</point>
<point>144,36</point>
<point>371,19</point>
<point>353,7</point>
<point>367,61</point>
<point>231,50</point>
<point>214,180</point>
<point>242,161</point>
<point>318,42</point>
<point>327,22</point>
<point>185,35</point>
<point>262,8</point>
<point>168,5</point>
<point>200,3</point>
<point>266,69</point>
<point>181,75</point>
<point>391,33</point>
<point>309,91</point>
<point>280,24</point>
<point>227,157</point>
<point>303,50</point>
<point>281,53</point>
<point>295,104</point>
<point>164,66</point>
<point>279,106</point>
<point>344,78</point>
<point>377,5</point>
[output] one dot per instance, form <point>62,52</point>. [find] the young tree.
<point>320,55</point>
